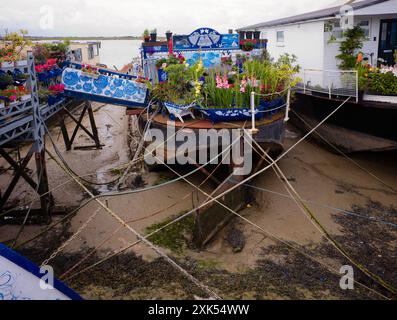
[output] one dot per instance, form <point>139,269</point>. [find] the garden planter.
<point>7,64</point>
<point>216,115</point>
<point>91,75</point>
<point>26,97</point>
<point>257,35</point>
<point>168,35</point>
<point>21,63</point>
<point>248,35</point>
<point>52,99</point>
<point>153,37</point>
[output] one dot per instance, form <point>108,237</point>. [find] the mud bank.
<point>242,262</point>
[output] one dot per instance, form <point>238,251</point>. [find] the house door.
<point>388,41</point>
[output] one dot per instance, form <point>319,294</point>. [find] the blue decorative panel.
<point>104,88</point>
<point>206,38</point>
<point>210,58</point>
<point>150,50</point>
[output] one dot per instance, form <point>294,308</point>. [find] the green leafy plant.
<point>383,83</point>
<point>12,45</point>
<point>349,47</point>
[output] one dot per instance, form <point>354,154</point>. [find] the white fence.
<point>331,82</point>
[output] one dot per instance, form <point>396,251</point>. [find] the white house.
<point>307,35</point>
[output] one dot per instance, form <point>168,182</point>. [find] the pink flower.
<point>219,83</point>
<point>243,85</point>
<point>13,98</point>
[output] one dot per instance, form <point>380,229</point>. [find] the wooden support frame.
<point>78,121</point>
<point>41,187</point>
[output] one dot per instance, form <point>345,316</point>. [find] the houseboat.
<point>366,121</point>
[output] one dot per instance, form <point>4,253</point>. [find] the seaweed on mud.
<point>280,272</point>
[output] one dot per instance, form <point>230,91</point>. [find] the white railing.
<point>331,82</point>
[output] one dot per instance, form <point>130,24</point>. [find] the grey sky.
<point>130,17</point>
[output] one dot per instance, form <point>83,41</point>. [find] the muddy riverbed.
<point>242,262</point>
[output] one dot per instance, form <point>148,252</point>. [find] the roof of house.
<point>319,14</point>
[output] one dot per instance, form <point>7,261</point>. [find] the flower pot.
<point>248,35</point>
<point>21,63</point>
<point>168,35</point>
<point>257,35</point>
<point>153,37</point>
<point>90,75</point>
<point>53,99</point>
<point>242,35</point>
<point>25,97</point>
<point>7,64</point>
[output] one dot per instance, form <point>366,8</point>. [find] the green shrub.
<point>383,83</point>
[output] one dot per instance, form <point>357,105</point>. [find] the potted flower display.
<point>153,35</point>
<point>8,60</point>
<point>55,93</point>
<point>12,45</point>
<point>248,45</point>
<point>5,80</point>
<point>10,96</point>
<point>89,71</point>
<point>224,93</point>
<point>146,35</point>
<point>23,93</point>
<point>168,35</point>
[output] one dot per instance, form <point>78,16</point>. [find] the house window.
<point>280,36</point>
<point>364,24</point>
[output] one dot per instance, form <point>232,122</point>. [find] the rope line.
<point>308,213</point>
<point>346,156</point>
<point>139,236</point>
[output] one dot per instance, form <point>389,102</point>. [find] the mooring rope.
<point>139,236</point>
<point>308,213</point>
<point>346,156</point>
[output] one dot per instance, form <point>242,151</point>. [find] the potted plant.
<point>153,35</point>
<point>168,34</point>
<point>257,34</point>
<point>55,93</point>
<point>10,94</point>
<point>248,35</point>
<point>8,60</point>
<point>248,45</point>
<point>5,80</point>
<point>89,71</point>
<point>23,93</point>
<point>12,45</point>
<point>146,35</point>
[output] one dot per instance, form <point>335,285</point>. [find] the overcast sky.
<point>130,17</point>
